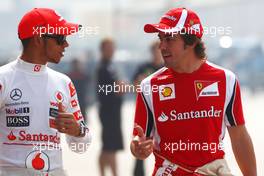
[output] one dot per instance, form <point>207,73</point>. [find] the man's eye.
<point>168,39</point>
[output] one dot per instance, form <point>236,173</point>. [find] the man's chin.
<point>55,61</point>
<point>167,65</point>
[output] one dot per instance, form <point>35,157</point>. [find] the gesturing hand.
<point>65,122</point>
<point>142,147</point>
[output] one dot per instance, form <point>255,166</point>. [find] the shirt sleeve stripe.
<point>230,106</point>
<point>150,120</point>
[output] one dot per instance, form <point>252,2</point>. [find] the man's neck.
<point>189,65</point>
<point>32,58</point>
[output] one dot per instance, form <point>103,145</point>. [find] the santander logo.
<point>39,137</point>
<point>11,136</point>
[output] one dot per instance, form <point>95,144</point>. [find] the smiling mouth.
<point>166,55</point>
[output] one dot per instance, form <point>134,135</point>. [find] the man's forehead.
<point>163,34</point>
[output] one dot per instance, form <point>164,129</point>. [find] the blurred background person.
<point>81,81</point>
<point>148,68</point>
<point>109,108</point>
<point>142,72</point>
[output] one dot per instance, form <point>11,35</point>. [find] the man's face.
<point>172,49</point>
<point>55,47</point>
<point>108,50</point>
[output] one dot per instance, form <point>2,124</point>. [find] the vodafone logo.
<point>38,160</point>
<point>72,89</point>
<point>74,103</point>
<point>59,96</point>
<point>78,115</point>
<point>37,68</point>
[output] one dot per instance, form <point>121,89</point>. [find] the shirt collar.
<point>30,67</point>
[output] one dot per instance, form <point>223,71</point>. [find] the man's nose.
<point>162,45</point>
<point>65,44</point>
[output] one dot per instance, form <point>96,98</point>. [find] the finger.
<point>135,143</point>
<point>144,149</point>
<point>63,130</point>
<point>62,124</point>
<point>60,107</point>
<point>140,132</point>
<point>147,153</point>
<point>149,147</point>
<point>65,115</point>
<point>145,143</point>
<point>66,120</point>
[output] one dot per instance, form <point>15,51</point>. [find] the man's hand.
<point>65,122</point>
<point>142,147</point>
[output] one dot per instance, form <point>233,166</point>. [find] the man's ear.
<point>37,40</point>
<point>186,46</point>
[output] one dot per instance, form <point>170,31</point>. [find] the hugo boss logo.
<point>17,121</point>
<point>16,94</point>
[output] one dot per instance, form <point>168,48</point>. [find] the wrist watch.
<point>83,129</point>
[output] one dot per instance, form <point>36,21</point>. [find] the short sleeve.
<point>74,108</point>
<point>234,110</point>
<point>143,115</point>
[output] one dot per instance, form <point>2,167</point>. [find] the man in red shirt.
<point>183,109</point>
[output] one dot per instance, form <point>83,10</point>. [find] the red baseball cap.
<point>177,20</point>
<point>43,20</point>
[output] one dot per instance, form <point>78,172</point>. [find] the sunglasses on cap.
<point>60,39</point>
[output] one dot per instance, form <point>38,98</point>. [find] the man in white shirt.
<point>37,104</point>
